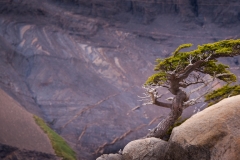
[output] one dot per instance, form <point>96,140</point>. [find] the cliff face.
<point>201,11</point>
<point>80,64</point>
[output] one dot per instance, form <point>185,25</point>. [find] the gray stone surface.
<point>145,149</point>
<point>110,157</point>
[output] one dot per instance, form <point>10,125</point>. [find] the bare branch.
<point>162,104</point>
<point>191,67</point>
<point>165,86</point>
<point>207,58</point>
<point>155,86</point>
<point>195,101</point>
<point>202,86</point>
<point>153,96</point>
<point>185,85</point>
<point>224,74</point>
<point>190,59</point>
<point>187,70</point>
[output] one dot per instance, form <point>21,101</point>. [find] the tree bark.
<point>176,111</point>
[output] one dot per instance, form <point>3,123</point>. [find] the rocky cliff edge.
<point>212,134</point>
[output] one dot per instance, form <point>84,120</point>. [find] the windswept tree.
<point>176,73</point>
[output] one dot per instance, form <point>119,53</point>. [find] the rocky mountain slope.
<point>20,136</point>
<point>80,64</point>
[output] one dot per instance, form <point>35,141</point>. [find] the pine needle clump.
<point>221,93</point>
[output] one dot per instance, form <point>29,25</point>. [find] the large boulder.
<point>145,149</point>
<point>213,134</point>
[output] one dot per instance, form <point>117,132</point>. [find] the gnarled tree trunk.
<point>176,111</point>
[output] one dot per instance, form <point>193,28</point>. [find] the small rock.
<point>145,149</point>
<point>110,157</point>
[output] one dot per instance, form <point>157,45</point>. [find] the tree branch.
<point>153,95</point>
<point>195,101</point>
<point>207,82</point>
<point>162,104</point>
<point>185,85</point>
<point>191,67</point>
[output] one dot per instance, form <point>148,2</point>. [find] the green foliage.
<point>212,68</point>
<point>179,60</point>
<point>221,93</point>
<point>62,149</point>
<point>157,78</point>
<point>182,46</point>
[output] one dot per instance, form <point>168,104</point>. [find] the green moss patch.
<point>62,149</point>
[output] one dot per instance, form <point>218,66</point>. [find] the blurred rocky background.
<point>80,64</point>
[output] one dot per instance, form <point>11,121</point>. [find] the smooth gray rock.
<point>110,157</point>
<point>145,149</point>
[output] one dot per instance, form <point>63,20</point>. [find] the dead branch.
<point>195,101</point>
<point>152,94</point>
<point>191,67</point>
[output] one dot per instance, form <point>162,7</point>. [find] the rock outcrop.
<point>212,134</point>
